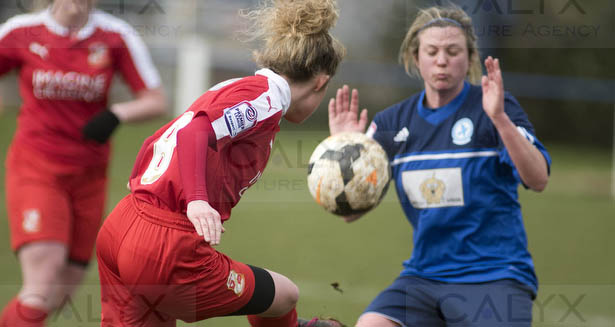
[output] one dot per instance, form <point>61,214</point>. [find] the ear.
<point>321,81</point>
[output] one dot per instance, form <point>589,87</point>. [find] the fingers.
<point>206,221</point>
<point>489,66</point>
<point>342,102</point>
<point>213,229</point>
<point>340,105</point>
<point>493,67</point>
<point>363,120</point>
<point>345,98</point>
<point>485,82</point>
<point>354,101</point>
<point>332,113</point>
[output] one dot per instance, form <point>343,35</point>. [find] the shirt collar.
<point>281,85</point>
<point>55,27</point>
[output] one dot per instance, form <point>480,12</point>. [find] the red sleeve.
<point>192,146</point>
<point>141,155</point>
<point>9,58</point>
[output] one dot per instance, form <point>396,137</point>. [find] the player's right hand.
<point>344,115</point>
<point>206,220</point>
<point>351,218</point>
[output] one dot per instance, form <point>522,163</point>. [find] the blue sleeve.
<point>380,131</point>
<point>519,118</point>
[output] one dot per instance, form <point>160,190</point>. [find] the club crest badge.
<point>236,282</point>
<point>462,131</point>
<point>99,55</point>
<point>31,221</point>
<point>432,190</point>
<point>39,50</point>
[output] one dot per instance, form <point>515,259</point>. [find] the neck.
<point>70,15</point>
<point>439,98</point>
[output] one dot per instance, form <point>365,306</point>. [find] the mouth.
<point>441,77</point>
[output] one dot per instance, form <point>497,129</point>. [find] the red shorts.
<point>50,201</point>
<point>154,269</point>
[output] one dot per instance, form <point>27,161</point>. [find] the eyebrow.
<point>446,46</point>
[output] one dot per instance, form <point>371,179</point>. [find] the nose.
<point>441,59</point>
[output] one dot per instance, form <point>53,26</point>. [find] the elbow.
<point>539,184</point>
<point>160,104</point>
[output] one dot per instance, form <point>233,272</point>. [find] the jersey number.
<point>163,150</point>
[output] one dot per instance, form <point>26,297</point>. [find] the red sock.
<point>287,320</point>
<point>16,314</point>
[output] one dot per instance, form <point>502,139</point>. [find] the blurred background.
<point>557,57</point>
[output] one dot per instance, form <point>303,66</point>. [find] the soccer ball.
<point>348,173</point>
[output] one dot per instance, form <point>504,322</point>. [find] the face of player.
<point>309,97</point>
<point>72,12</point>
<point>442,58</point>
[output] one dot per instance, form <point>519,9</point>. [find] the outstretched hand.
<point>343,114</point>
<point>493,88</point>
<point>206,220</point>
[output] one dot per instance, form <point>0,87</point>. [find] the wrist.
<point>500,119</point>
<point>114,109</point>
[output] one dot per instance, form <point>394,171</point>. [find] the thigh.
<point>409,301</point>
<point>272,292</point>
<point>88,194</point>
<point>121,303</point>
<point>498,303</point>
<point>38,206</point>
<point>173,272</point>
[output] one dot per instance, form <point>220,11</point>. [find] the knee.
<point>43,264</point>
<point>292,296</point>
<point>287,298</point>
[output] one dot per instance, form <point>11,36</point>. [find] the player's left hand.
<point>100,127</point>
<point>206,220</point>
<point>493,88</point>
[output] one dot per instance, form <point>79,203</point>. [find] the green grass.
<point>278,226</point>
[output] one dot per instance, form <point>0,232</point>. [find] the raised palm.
<point>493,88</point>
<point>343,113</point>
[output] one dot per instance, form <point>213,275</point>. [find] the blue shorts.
<point>413,301</point>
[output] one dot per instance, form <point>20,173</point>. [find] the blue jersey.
<point>458,188</point>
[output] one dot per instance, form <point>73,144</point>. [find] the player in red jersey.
<point>155,251</point>
<point>56,165</point>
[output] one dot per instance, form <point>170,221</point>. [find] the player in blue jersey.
<point>458,152</point>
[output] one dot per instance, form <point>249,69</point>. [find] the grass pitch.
<point>278,226</point>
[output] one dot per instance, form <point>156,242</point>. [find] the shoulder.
<point>21,21</point>
<point>112,24</point>
<point>392,114</point>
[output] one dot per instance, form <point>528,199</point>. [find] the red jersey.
<point>245,115</point>
<point>64,79</point>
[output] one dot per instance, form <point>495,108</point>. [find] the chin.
<point>294,119</point>
<point>445,85</point>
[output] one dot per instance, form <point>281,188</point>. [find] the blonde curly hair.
<point>297,42</point>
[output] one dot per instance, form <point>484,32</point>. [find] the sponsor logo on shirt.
<point>31,221</point>
<point>59,85</point>
<point>462,131</point>
<point>236,282</point>
<point>371,129</point>
<point>99,55</point>
<point>270,106</point>
<point>402,135</point>
<point>434,188</point>
<point>39,50</point>
<point>526,134</point>
<point>240,118</point>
